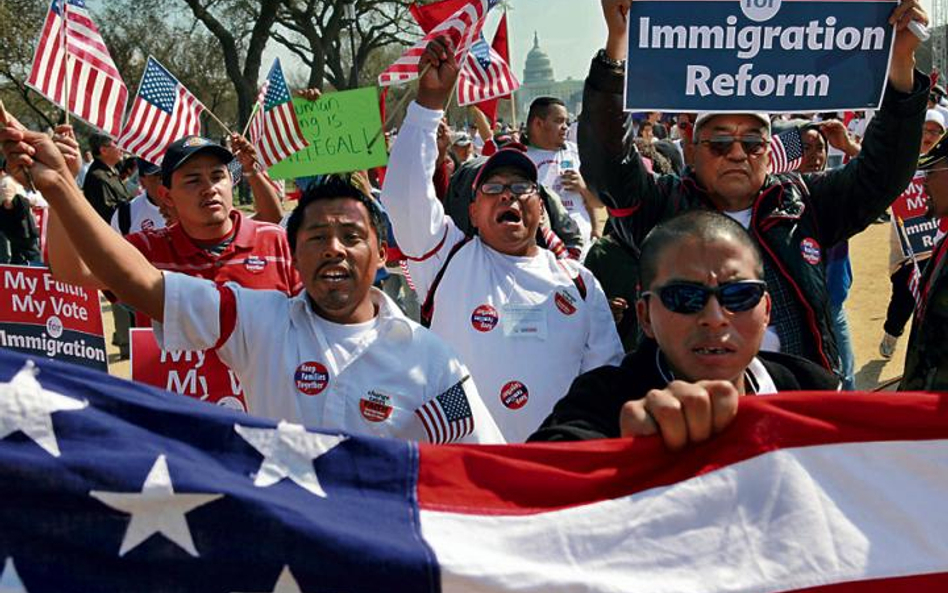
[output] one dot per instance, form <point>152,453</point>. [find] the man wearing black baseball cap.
<point>524,322</point>
<point>210,238</point>
<point>926,360</point>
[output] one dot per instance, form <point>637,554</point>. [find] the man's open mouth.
<point>509,216</point>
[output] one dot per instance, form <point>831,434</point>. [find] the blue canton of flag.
<point>277,93</point>
<point>57,6</point>
<point>158,87</point>
<point>112,486</point>
<point>481,51</point>
<point>447,417</point>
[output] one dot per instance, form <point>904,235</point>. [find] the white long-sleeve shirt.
<point>518,323</point>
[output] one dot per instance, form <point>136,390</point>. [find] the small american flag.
<point>447,417</point>
<point>463,28</point>
<point>97,93</point>
<point>915,275</point>
<point>485,76</point>
<point>786,151</point>
<point>275,131</point>
<point>163,112</point>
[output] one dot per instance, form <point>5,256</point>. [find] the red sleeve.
<point>228,314</point>
<point>442,177</point>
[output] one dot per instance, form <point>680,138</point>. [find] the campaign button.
<point>811,251</point>
<point>565,302</point>
<point>376,407</point>
<point>484,318</point>
<point>311,378</point>
<point>514,395</point>
<point>255,264</point>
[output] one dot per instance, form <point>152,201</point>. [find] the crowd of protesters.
<point>641,279</point>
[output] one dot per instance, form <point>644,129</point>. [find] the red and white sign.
<point>912,209</point>
<point>45,317</point>
<point>197,374</point>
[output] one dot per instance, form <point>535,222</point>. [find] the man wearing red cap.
<point>525,323</point>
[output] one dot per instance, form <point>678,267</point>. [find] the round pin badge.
<point>255,264</point>
<point>811,251</point>
<point>376,407</point>
<point>565,302</point>
<point>484,318</point>
<point>514,395</point>
<point>311,378</point>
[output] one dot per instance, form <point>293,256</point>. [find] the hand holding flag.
<point>439,73</point>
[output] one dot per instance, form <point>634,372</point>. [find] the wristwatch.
<point>603,58</point>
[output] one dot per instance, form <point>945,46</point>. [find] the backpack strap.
<point>427,308</point>
<point>124,217</point>
<point>577,279</point>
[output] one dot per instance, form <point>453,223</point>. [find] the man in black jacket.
<point>793,217</point>
<point>704,310</point>
<point>103,187</point>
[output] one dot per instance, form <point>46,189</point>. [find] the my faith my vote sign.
<point>758,55</point>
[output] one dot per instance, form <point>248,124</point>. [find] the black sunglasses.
<point>688,298</point>
<point>721,145</point>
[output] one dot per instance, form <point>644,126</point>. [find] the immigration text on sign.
<point>912,209</point>
<point>199,374</point>
<point>757,55</point>
<point>339,127</point>
<point>44,317</point>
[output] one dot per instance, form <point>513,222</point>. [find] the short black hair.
<point>540,108</point>
<point>97,141</point>
<point>704,225</point>
<point>333,187</point>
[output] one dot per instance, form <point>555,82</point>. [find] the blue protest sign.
<point>757,55</point>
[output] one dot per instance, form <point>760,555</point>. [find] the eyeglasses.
<point>689,298</point>
<point>518,188</point>
<point>721,145</point>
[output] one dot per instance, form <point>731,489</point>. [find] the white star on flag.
<point>156,509</point>
<point>10,581</point>
<point>26,407</point>
<point>289,452</point>
<point>285,583</point>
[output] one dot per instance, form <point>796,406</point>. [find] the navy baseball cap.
<point>181,150</point>
<point>508,157</point>
<point>147,168</point>
<point>935,156</point>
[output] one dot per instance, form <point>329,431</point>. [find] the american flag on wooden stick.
<point>275,131</point>
<point>163,112</point>
<point>786,151</point>
<point>447,417</point>
<point>463,28</point>
<point>486,74</point>
<point>70,44</point>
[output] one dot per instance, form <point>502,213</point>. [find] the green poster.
<point>339,127</point>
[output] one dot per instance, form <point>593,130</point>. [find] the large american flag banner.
<point>108,486</point>
<point>164,110</point>
<point>275,130</point>
<point>463,28</point>
<point>70,44</point>
<point>786,151</point>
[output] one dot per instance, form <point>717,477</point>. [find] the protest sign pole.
<point>65,42</point>
<point>397,109</point>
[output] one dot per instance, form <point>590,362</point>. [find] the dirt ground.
<point>866,310</point>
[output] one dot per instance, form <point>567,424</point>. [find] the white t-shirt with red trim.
<point>519,323</point>
<point>551,164</point>
<point>389,378</point>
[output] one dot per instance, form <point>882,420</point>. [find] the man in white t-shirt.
<point>337,356</point>
<point>524,322</point>
<point>557,162</point>
<point>144,212</point>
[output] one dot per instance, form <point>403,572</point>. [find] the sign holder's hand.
<point>901,71</point>
<point>616,13</point>
<point>439,72</point>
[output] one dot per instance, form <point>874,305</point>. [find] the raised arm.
<point>421,228</point>
<point>267,201</point>
<point>124,270</point>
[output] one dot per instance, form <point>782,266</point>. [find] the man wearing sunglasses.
<point>794,217</point>
<point>704,308</point>
<point>926,359</point>
<point>525,323</point>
